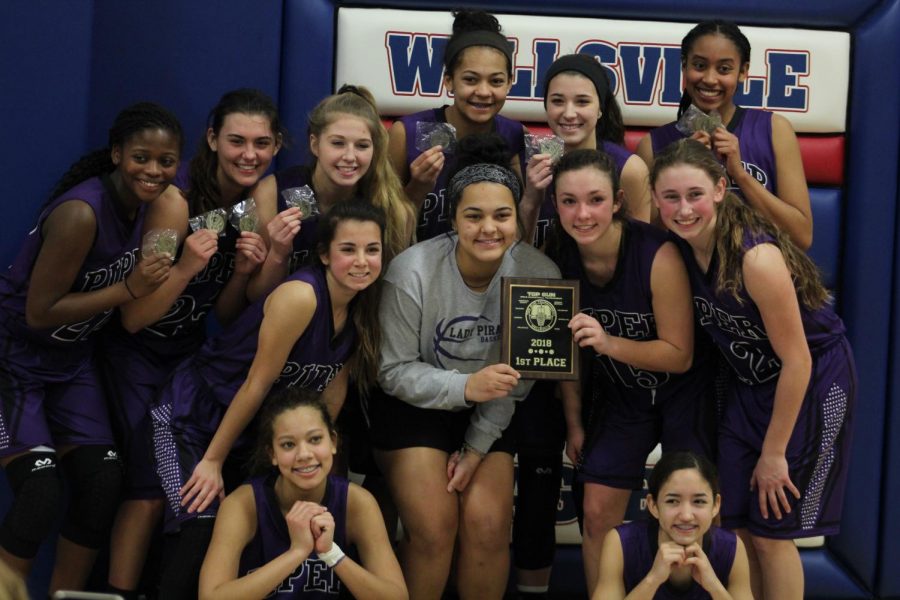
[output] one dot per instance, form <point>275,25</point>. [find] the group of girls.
<point>307,316</point>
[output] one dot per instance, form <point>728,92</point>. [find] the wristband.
<point>127,287</point>
<point>333,556</point>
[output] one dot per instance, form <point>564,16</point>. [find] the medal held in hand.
<point>536,340</point>
<point>694,120</point>
<point>430,134</point>
<point>303,198</point>
<point>214,219</point>
<point>160,241</point>
<point>544,144</point>
<point>243,215</point>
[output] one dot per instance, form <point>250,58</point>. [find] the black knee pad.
<point>37,499</point>
<point>94,475</point>
<point>181,573</point>
<point>534,525</point>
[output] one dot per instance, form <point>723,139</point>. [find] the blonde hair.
<point>380,185</point>
<point>734,219</point>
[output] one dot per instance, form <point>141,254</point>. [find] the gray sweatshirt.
<point>436,331</point>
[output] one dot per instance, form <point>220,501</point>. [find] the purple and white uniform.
<point>191,405</point>
<point>818,450</point>
<point>434,215</point>
<point>313,578</point>
<point>136,366</point>
<point>634,409</point>
<point>51,394</point>
<point>547,217</point>
<point>640,542</point>
<point>305,240</point>
<point>753,129</point>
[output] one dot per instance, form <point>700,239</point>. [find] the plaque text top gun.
<point>537,341</point>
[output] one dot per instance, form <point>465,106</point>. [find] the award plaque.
<point>537,341</point>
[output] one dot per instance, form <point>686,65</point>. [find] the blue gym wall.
<point>66,68</point>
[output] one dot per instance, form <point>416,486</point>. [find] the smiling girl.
<point>161,329</point>
<point>758,148</point>
<point>349,147</point>
<point>79,262</point>
<point>636,317</point>
<point>785,428</point>
<point>322,319</point>
<point>582,110</point>
<point>679,553</point>
<point>283,534</point>
<point>478,72</point>
<point>443,420</point>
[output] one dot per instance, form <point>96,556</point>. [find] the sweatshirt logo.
<point>449,336</point>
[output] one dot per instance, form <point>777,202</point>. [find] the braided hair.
<point>129,122</point>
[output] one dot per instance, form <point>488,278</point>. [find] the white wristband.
<point>333,556</point>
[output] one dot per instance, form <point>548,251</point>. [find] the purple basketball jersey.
<point>753,129</point>
<point>191,405</point>
<point>737,328</point>
<point>110,260</point>
<point>640,543</point>
<point>434,215</point>
<point>624,307</point>
<point>818,450</point>
<point>313,578</point>
<point>224,361</point>
<point>181,331</point>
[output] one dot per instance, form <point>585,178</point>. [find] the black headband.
<point>580,63</point>
<point>479,37</point>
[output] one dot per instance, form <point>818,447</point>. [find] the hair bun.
<point>482,148</point>
<point>474,20</point>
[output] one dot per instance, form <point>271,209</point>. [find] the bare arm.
<point>68,235</point>
<point>645,150</point>
<point>790,209</point>
<point>420,175</point>
<point>538,177</point>
<point>288,311</point>
<point>170,211</point>
<point>379,577</point>
<point>739,577</point>
<point>672,351</point>
<point>278,231</point>
<point>335,393</point>
<point>235,528</point>
<point>770,286</point>
<point>571,399</point>
<point>636,184</point>
<point>611,582</point>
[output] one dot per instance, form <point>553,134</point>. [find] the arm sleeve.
<point>403,374</point>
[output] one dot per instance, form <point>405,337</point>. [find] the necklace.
<point>476,287</point>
